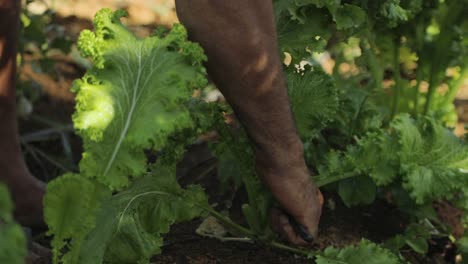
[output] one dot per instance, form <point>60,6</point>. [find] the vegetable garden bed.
<point>392,170</point>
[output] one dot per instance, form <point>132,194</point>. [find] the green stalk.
<point>248,233</point>
<point>419,74</point>
<point>441,45</point>
<point>367,46</point>
<point>431,90</point>
<point>420,34</point>
<point>304,252</point>
<point>319,181</point>
<point>228,222</point>
<point>374,66</point>
<point>397,77</point>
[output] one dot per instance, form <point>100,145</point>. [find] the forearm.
<point>9,28</point>
<point>239,38</point>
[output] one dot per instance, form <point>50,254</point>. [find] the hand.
<point>300,198</point>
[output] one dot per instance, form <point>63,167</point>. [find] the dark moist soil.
<point>340,226</point>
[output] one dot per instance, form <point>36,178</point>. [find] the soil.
<point>340,225</point>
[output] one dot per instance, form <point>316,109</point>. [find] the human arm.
<point>239,38</point>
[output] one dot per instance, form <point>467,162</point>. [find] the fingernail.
<point>300,229</point>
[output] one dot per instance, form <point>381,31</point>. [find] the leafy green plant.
<point>364,252</point>
<point>137,96</point>
<point>118,117</point>
<point>12,238</point>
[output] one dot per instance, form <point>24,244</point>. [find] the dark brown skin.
<point>239,38</point>
<point>27,192</point>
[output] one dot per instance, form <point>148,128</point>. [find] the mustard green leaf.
<point>434,162</point>
<point>133,98</point>
<point>71,204</point>
<point>349,16</point>
<point>375,155</point>
<point>365,252</point>
<point>357,190</point>
<point>314,100</point>
<point>130,225</point>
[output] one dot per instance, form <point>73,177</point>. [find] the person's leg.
<point>239,38</point>
<point>27,192</point>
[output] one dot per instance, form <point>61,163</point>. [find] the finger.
<point>289,232</point>
<point>281,225</point>
<point>300,229</point>
<point>311,217</point>
<point>320,197</point>
<point>275,224</point>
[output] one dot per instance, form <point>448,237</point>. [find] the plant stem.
<point>319,181</point>
<point>419,74</point>
<point>325,180</point>
<point>431,90</point>
<point>373,64</point>
<point>250,234</point>
<point>228,239</point>
<point>420,36</point>
<point>228,222</point>
<point>441,45</point>
<point>46,134</point>
<point>299,251</point>
<point>397,77</point>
